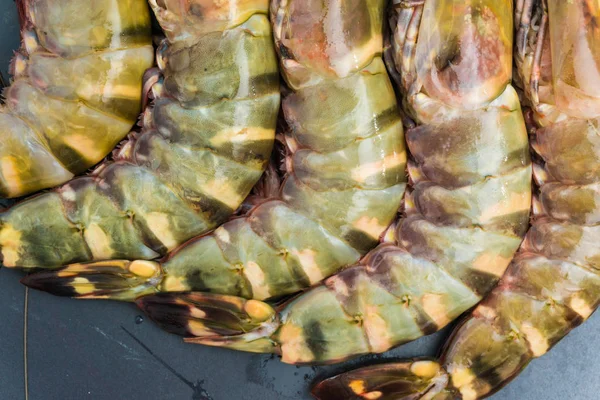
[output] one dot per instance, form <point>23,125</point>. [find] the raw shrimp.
<point>345,174</point>
<point>464,216</point>
<point>204,143</point>
<point>553,284</point>
<point>77,89</point>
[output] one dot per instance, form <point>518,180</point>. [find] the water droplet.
<point>139,319</point>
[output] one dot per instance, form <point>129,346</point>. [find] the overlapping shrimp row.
<point>553,284</point>
<point>466,211</point>
<point>76,92</point>
<point>203,145</point>
<point>345,176</point>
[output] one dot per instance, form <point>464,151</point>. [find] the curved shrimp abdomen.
<point>345,168</point>
<point>466,209</point>
<point>468,204</point>
<point>204,143</point>
<point>345,173</point>
<point>553,284</point>
<point>77,89</point>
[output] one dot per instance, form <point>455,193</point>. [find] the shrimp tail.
<point>215,320</point>
<point>115,280</point>
<point>407,380</point>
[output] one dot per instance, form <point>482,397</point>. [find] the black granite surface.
<point>105,351</point>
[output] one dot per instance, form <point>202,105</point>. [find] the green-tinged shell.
<point>553,283</point>
<point>345,175</point>
<point>345,161</point>
<point>463,220</point>
<point>77,89</point>
<point>204,144</point>
<point>387,382</point>
<point>467,209</point>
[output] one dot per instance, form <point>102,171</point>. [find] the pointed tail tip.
<point>213,319</point>
<point>333,389</point>
<point>410,380</point>
<point>116,280</point>
<point>205,315</point>
<point>48,281</point>
<point>171,315</point>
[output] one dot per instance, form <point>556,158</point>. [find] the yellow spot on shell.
<point>31,43</point>
<point>98,242</point>
<point>12,178</point>
<point>198,329</point>
<point>83,286</point>
<point>491,263</point>
<point>241,135</point>
<point>581,307</point>
<point>371,226</point>
<point>258,310</point>
<point>256,277</point>
<point>487,312</point>
<point>425,369</point>
<point>435,306</point>
<point>307,258</point>
<point>515,203</point>
<point>415,173</point>
<point>409,203</point>
<point>10,243</point>
<point>365,171</point>
<point>468,393</point>
<point>293,345</point>
<point>161,228</point>
<point>85,146</point>
<point>144,269</point>
<point>222,190</point>
<point>20,65</point>
<point>390,235</point>
<point>377,330</point>
<point>99,33</point>
<point>537,207</point>
<point>462,376</point>
<point>540,174</point>
<point>158,90</point>
<point>197,313</point>
<point>174,284</point>
<point>357,386</point>
<point>121,91</point>
<point>372,395</point>
<point>537,342</point>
